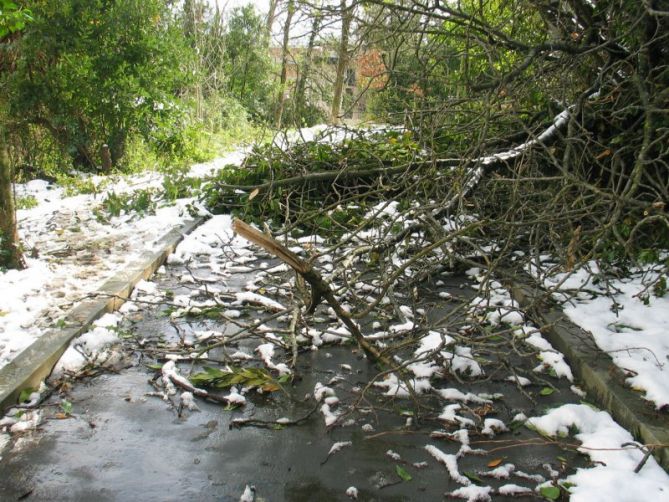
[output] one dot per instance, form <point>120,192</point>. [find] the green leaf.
<point>66,406</point>
<point>402,473</point>
<point>516,425</point>
<point>25,394</point>
<point>247,377</point>
<point>550,492</point>
<point>473,477</point>
<point>546,391</point>
<point>214,371</point>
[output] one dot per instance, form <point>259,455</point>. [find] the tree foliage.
<point>96,72</point>
<point>12,17</point>
<point>247,63</point>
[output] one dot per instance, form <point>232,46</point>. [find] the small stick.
<point>293,335</point>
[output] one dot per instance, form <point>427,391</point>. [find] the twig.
<point>293,337</point>
<point>271,424</point>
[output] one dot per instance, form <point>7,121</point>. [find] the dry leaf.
<point>605,153</point>
<point>253,193</point>
<point>495,462</point>
<point>484,410</point>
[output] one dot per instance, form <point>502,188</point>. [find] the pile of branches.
<point>562,153</point>
<point>599,188</point>
<point>324,184</point>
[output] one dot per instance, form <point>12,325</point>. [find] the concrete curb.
<point>35,362</point>
<point>599,376</point>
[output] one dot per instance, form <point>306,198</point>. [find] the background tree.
<point>197,34</point>
<point>247,62</point>
<point>96,72</point>
<point>346,12</point>
<point>271,17</point>
<point>302,111</point>
<point>10,246</point>
<point>12,19</point>
<point>285,55</point>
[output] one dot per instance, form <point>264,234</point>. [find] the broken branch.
<point>319,288</point>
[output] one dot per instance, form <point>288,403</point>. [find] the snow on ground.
<point>327,134</point>
<point>631,324</point>
<point>90,347</point>
<point>211,245</point>
<point>71,252</point>
<point>612,476</point>
<point>630,329</point>
<point>498,306</point>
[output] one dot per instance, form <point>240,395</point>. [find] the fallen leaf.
<point>473,477</point>
<point>484,410</point>
<point>25,394</point>
<point>402,473</point>
<point>550,492</point>
<point>605,153</point>
<point>253,193</point>
<point>270,387</point>
<point>495,462</point>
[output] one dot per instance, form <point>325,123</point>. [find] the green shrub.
<point>77,185</point>
<point>141,201</point>
<point>96,72</point>
<point>26,202</point>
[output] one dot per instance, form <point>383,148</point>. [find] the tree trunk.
<point>342,63</point>
<point>300,88</point>
<point>117,144</point>
<point>106,159</point>
<point>10,249</point>
<point>281,98</point>
<point>271,16</point>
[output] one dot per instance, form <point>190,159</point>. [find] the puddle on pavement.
<point>124,445</point>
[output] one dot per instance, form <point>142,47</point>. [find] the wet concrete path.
<point>123,444</point>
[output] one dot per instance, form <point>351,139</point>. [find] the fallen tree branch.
<point>545,138</point>
<point>170,374</point>
<point>341,175</point>
<point>319,288</point>
<point>238,423</point>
